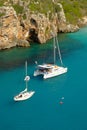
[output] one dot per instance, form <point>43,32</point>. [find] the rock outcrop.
<point>39,28</point>
<point>82,22</point>
<point>10,29</point>
<point>62,22</point>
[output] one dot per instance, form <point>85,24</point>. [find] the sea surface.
<point>44,110</point>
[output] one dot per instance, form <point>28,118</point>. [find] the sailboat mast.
<point>54,50</point>
<point>59,52</point>
<point>26,68</point>
<point>26,74</point>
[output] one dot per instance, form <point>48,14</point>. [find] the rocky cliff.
<point>11,32</point>
<point>15,30</point>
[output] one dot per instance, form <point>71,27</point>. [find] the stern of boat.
<point>36,73</point>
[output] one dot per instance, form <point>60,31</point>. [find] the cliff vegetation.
<point>25,21</point>
<point>73,9</point>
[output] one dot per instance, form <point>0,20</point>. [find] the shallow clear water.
<point>43,111</point>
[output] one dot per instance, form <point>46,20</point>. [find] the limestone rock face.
<point>63,25</point>
<point>82,22</point>
<point>10,29</point>
<point>61,14</point>
<point>37,27</point>
<point>68,28</point>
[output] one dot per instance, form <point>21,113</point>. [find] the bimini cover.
<point>27,78</point>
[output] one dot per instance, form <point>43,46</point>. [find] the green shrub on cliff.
<point>43,6</point>
<point>1,2</point>
<point>2,14</point>
<point>18,8</point>
<point>74,9</point>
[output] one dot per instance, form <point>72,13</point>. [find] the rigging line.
<point>54,49</point>
<point>59,52</point>
<point>26,75</point>
<point>26,68</point>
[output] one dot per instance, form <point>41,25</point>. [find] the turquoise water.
<point>43,111</point>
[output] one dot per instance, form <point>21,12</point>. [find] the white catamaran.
<point>51,70</point>
<point>25,94</point>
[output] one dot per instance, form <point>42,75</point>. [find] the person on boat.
<point>20,95</point>
<point>61,102</point>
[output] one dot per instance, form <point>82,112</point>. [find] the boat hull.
<point>23,96</point>
<point>56,73</point>
<point>53,73</point>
